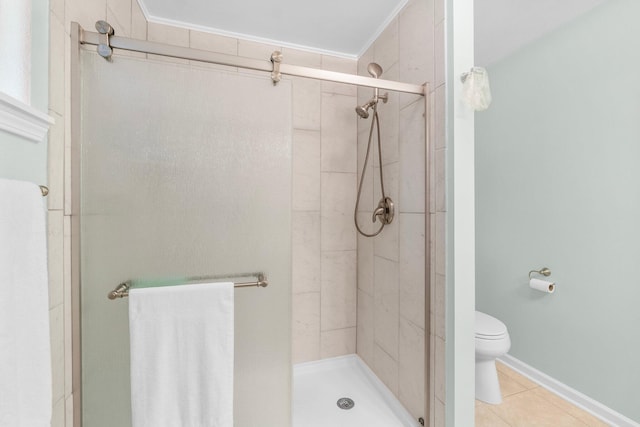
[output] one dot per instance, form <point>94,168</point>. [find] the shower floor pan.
<point>317,387</point>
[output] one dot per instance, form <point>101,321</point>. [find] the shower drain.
<point>345,403</point>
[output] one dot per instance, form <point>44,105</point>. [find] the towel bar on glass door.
<point>122,290</point>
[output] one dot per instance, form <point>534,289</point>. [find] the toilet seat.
<point>489,328</point>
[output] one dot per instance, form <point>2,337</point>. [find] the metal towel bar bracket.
<point>122,290</point>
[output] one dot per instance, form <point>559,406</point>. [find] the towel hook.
<point>544,271</point>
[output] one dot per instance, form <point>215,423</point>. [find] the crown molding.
<point>23,120</point>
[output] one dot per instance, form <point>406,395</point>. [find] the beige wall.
<point>391,266</point>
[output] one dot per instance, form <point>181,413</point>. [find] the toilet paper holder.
<point>543,271</point>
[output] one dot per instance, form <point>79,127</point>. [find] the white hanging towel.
<point>182,355</point>
<point>25,349</point>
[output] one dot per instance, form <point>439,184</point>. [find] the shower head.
<point>363,110</point>
<point>374,69</point>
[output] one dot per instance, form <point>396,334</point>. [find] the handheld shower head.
<point>374,69</point>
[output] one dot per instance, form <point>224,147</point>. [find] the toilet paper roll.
<point>542,286</point>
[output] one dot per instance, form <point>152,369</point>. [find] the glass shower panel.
<point>186,171</point>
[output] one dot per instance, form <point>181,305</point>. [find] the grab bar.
<point>122,290</point>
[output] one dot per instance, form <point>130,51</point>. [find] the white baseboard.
<point>582,401</point>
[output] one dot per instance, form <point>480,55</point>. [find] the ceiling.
<point>503,26</point>
<point>348,27</point>
<point>339,27</point>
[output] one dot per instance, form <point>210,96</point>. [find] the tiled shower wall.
<point>391,266</point>
<point>324,179</point>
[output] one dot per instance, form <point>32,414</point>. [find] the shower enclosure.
<point>185,170</point>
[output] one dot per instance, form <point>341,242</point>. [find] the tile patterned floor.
<point>525,404</point>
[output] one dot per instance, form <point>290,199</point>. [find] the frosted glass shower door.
<point>186,171</point>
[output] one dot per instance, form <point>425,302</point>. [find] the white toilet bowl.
<point>492,341</point>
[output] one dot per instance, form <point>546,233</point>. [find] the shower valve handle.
<point>385,211</point>
<point>378,212</point>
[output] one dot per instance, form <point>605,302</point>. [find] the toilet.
<point>492,341</point>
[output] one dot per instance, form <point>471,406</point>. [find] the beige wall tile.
<point>68,409</point>
<point>338,305</point>
<point>338,194</point>
<point>55,153</point>
<point>385,244</point>
<point>416,44</point>
<point>119,16</point>
<point>439,305</point>
<point>439,112</point>
<point>366,193</point>
<point>439,72</point>
<point>55,257</point>
<point>68,345</point>
<point>386,368</point>
<point>391,175</point>
<point>412,158</point>
<point>365,260</point>
<point>338,342</point>
<point>138,22</point>
<point>58,414</point>
<point>440,190</point>
<point>440,236</point>
<point>411,375</point>
<point>302,58</point>
<point>389,115</point>
<point>86,13</point>
<point>412,268</point>
<point>305,252</point>
<point>386,289</point>
<point>385,50</point>
<point>431,154</point>
<point>439,7</point>
<point>306,170</point>
<point>439,366</point>
<point>167,34</point>
<point>339,138</point>
<point>385,330</point>
<point>306,327</point>
<point>249,49</point>
<point>170,35</point>
<point>56,7</point>
<point>56,327</point>
<point>439,414</point>
<point>341,65</point>
<point>365,327</point>
<point>307,102</point>
<point>213,42</point>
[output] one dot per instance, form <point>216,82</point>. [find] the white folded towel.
<point>25,349</point>
<point>182,355</point>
